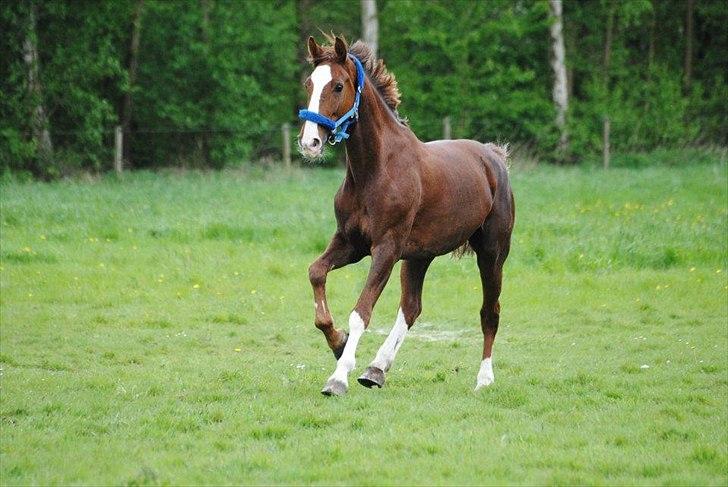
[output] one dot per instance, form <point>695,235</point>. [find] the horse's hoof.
<point>338,351</point>
<point>371,377</point>
<point>334,388</point>
<point>484,384</point>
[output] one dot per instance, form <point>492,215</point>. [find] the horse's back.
<point>470,158</point>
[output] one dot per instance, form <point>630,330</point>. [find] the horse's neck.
<point>369,145</point>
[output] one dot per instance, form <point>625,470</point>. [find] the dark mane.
<point>383,80</point>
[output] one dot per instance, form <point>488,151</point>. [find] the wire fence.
<point>274,145</point>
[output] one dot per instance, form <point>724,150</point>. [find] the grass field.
<point>159,330</point>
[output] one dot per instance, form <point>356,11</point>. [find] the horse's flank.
<point>502,152</point>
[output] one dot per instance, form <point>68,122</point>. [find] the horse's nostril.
<point>315,142</point>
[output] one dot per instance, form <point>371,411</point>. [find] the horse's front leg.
<point>383,258</point>
<point>338,254</point>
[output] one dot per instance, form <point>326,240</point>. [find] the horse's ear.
<point>314,50</point>
<point>341,49</point>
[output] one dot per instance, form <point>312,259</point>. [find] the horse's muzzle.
<point>311,148</point>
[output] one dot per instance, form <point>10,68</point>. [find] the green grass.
<point>159,330</point>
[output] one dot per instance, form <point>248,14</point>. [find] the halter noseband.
<point>338,128</point>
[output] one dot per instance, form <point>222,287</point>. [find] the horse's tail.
<point>464,249</point>
<point>502,152</point>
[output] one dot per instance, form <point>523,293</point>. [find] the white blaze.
<point>320,78</point>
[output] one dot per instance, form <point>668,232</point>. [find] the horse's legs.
<point>412,277</point>
<point>338,254</point>
<point>491,247</point>
<point>383,258</point>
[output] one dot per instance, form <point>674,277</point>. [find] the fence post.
<point>606,143</point>
<point>119,147</point>
<point>446,132</point>
<point>286,129</point>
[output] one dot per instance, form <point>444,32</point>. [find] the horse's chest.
<point>353,220</point>
<point>356,225</point>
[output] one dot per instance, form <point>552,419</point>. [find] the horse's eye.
<point>338,87</point>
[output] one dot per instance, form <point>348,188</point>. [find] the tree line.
<point>208,83</point>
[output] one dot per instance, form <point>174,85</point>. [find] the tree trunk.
<point>203,140</point>
<point>39,118</point>
<point>651,45</point>
<point>558,63</point>
<point>608,44</point>
<point>572,32</point>
<point>607,60</point>
<point>370,24</point>
<point>132,73</point>
<point>690,7</point>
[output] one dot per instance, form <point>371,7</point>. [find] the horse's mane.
<point>383,80</point>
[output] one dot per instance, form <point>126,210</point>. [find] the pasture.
<point>158,329</point>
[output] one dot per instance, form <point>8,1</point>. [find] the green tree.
<point>215,80</point>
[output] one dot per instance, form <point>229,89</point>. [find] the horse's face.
<point>331,91</point>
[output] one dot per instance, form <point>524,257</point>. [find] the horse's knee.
<point>489,318</point>
<point>324,323</point>
<point>411,309</point>
<point>323,319</point>
<point>317,273</point>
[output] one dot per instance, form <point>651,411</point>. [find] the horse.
<point>401,199</point>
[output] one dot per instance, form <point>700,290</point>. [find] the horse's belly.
<point>444,227</point>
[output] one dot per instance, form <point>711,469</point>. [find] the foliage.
<point>217,78</point>
<point>473,63</point>
<point>170,340</point>
<point>81,74</point>
<point>16,149</point>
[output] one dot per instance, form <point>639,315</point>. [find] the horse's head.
<point>331,91</point>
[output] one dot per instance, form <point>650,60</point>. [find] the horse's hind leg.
<point>412,276</point>
<point>491,244</point>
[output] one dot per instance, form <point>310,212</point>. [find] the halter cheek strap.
<point>338,128</point>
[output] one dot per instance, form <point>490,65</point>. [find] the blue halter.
<point>339,127</point>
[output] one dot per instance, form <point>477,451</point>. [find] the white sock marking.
<point>390,347</point>
<point>347,361</point>
<point>320,77</point>
<point>485,374</point>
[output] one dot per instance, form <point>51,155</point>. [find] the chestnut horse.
<point>401,199</point>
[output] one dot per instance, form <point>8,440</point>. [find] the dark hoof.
<point>371,377</point>
<point>338,351</point>
<point>334,388</point>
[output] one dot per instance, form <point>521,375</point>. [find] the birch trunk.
<point>558,63</point>
<point>370,24</point>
